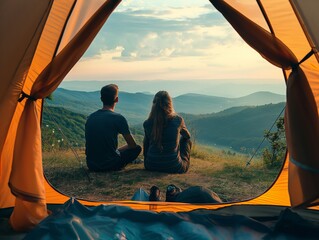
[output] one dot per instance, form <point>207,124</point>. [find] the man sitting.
<point>101,134</point>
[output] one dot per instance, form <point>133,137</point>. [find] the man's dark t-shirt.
<point>101,134</point>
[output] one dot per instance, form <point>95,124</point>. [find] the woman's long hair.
<point>162,110</point>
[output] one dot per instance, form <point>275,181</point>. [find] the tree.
<point>273,155</point>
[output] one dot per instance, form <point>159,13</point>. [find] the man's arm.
<point>130,142</point>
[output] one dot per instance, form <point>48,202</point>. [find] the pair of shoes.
<point>171,192</point>
<point>155,194</point>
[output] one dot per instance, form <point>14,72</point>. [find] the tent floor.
<point>6,232</point>
<point>75,221</point>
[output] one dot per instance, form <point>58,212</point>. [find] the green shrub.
<point>273,156</point>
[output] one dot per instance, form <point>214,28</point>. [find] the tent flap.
<point>26,179</point>
<point>43,40</point>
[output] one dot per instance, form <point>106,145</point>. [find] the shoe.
<point>171,192</point>
<point>138,161</point>
<point>155,194</point>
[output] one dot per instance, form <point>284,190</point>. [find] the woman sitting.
<point>167,143</point>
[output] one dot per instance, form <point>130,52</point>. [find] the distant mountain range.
<point>215,87</point>
<point>201,104</point>
<point>239,125</point>
<point>238,128</point>
<point>136,106</point>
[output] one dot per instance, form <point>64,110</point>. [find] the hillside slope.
<point>241,128</point>
<point>237,128</point>
<point>136,106</point>
<point>63,127</point>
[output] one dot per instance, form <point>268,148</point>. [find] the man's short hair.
<point>109,94</point>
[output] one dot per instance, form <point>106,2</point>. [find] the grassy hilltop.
<point>223,170</point>
<point>220,171</point>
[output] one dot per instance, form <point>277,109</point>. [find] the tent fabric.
<point>301,112</point>
<point>303,126</point>
<point>18,45</point>
<point>306,14</point>
<point>43,40</point>
<point>270,47</point>
<point>46,72</point>
<point>302,98</point>
<point>75,221</point>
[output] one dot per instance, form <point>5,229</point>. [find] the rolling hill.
<point>201,104</point>
<point>61,126</point>
<point>239,128</point>
<point>136,106</point>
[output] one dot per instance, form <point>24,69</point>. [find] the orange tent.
<point>43,39</point>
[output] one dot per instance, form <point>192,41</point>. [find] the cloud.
<point>144,43</point>
<point>228,62</point>
<point>176,14</point>
<point>144,38</point>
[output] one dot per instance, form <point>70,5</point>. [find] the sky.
<point>171,40</point>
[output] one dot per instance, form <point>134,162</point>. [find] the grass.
<point>223,172</point>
